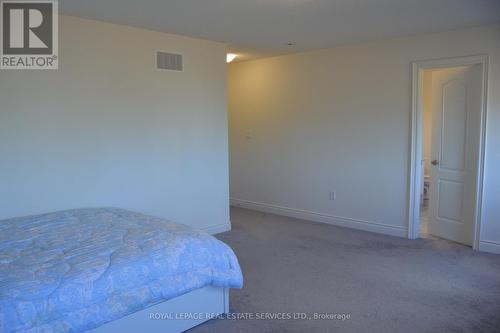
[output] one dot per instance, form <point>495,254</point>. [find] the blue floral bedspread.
<point>75,270</point>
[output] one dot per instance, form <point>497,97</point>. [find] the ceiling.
<point>260,28</point>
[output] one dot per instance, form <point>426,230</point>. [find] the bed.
<point>109,269</point>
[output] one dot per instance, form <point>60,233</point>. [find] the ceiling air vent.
<point>168,61</point>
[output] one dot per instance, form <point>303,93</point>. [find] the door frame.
<point>417,70</point>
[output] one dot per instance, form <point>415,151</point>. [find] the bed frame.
<point>166,317</point>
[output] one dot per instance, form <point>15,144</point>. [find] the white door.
<point>456,103</point>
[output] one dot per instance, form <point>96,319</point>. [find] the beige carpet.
<point>386,284</point>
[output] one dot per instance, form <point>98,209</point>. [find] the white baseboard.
<point>217,229</point>
<point>490,247</point>
<point>323,218</point>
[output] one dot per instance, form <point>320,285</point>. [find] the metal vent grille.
<point>168,61</point>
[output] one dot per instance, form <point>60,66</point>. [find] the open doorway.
<point>447,149</point>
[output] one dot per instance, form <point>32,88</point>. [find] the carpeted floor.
<point>386,284</point>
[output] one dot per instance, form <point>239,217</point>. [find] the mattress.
<point>75,270</point>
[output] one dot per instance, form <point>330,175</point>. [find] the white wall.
<point>339,119</point>
<point>106,129</point>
